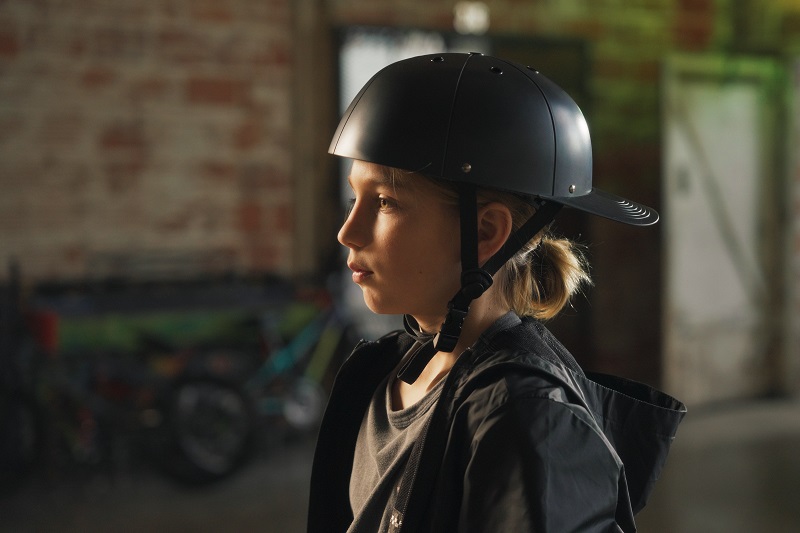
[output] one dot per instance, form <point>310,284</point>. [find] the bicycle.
<point>213,420</point>
<point>194,407</point>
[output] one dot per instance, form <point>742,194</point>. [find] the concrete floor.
<point>732,470</point>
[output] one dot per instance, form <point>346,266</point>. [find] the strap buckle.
<point>474,283</point>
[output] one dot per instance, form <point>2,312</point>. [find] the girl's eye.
<point>385,203</point>
<point>382,204</point>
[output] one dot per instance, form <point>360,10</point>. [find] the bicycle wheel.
<point>212,427</point>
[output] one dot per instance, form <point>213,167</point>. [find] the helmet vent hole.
<point>533,69</point>
<point>437,59</point>
<point>496,70</point>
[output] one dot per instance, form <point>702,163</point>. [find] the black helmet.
<point>477,119</point>
<point>480,121</point>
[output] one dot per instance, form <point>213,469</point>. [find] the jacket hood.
<point>639,421</point>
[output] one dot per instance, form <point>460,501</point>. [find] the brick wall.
<point>132,129</point>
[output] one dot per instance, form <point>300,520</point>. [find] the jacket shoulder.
<point>531,341</point>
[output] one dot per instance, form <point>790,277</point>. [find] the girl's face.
<point>404,243</point>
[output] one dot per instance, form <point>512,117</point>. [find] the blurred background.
<point>172,304</point>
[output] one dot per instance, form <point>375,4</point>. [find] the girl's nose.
<point>350,234</point>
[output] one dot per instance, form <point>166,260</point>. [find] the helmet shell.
<point>471,118</point>
<point>482,120</point>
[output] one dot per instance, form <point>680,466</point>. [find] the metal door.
<point>722,236</point>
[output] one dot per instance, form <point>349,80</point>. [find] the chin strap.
<point>474,279</point>
<point>422,351</point>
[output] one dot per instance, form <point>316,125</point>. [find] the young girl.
<point>475,418</point>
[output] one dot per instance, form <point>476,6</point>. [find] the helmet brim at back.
<point>601,203</point>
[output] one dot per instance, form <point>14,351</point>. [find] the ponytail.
<point>543,276</point>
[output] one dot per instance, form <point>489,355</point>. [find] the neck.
<point>483,313</point>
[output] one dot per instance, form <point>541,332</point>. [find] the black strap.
<point>475,280</point>
<point>468,212</point>
<point>545,213</point>
<point>416,362</point>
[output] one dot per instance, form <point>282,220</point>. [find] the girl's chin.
<point>380,309</point>
<point>382,305</point>
<point>433,320</point>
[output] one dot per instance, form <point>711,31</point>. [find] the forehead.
<point>369,173</point>
<point>403,184</point>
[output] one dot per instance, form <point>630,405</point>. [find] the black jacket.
<point>520,440</point>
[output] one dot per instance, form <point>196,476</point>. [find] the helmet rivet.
<point>572,189</point>
<point>466,168</point>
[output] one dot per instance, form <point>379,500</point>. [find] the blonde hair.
<point>542,277</point>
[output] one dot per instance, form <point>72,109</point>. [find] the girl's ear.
<point>494,227</point>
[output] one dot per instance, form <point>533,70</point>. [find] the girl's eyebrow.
<point>373,179</point>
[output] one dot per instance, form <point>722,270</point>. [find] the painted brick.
<point>118,43</point>
<point>11,126</point>
<point>691,35</point>
<point>98,77</point>
<point>62,128</point>
<point>217,90</point>
<point>592,29</point>
<point>249,215</point>
<point>283,219</point>
<point>695,24</point>
<point>264,256</point>
<point>130,12</point>
<point>122,177</point>
<point>125,136</point>
<point>218,171</point>
<point>649,72</point>
<point>697,6</point>
<point>275,55</point>
<point>248,135</point>
<point>790,29</point>
<point>74,256</point>
<point>9,45</point>
<point>182,45</point>
<point>257,178</point>
<point>153,88</point>
<point>211,11</point>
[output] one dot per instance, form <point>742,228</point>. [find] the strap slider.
<point>474,283</point>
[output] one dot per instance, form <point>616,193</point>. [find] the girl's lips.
<point>359,274</point>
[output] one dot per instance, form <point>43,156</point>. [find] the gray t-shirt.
<point>382,450</point>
